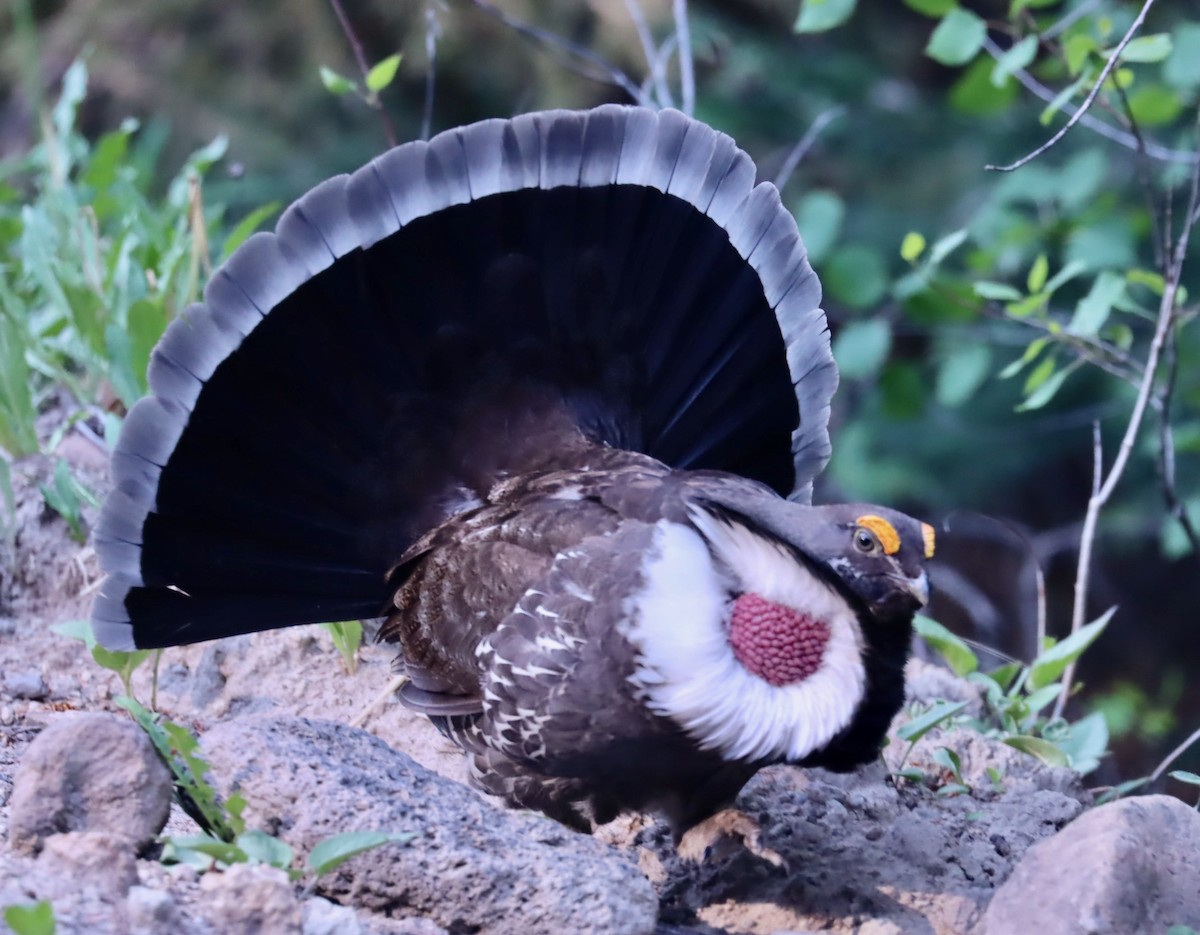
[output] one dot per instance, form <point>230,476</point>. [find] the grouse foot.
<point>716,836</point>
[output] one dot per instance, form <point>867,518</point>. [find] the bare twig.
<point>800,150</point>
<point>1166,450</point>
<point>389,690</point>
<point>571,54</point>
<point>1070,19</point>
<point>1113,58</point>
<point>687,70</point>
<point>1173,756</point>
<point>433,32</point>
<point>656,71</point>
<point>1100,496</point>
<point>360,56</point>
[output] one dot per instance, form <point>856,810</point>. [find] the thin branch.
<point>1113,58</point>
<point>1070,19</point>
<point>360,56</point>
<point>1166,450</point>
<point>655,65</point>
<point>687,67</point>
<point>1166,319</point>
<point>1173,756</point>
<point>571,54</point>
<point>433,32</point>
<point>800,150</point>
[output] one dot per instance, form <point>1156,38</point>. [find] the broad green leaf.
<point>1184,776</point>
<point>934,8</point>
<point>76,630</point>
<point>962,373</point>
<point>861,347</point>
<point>1077,48</point>
<point>1049,665</point>
<point>1148,278</point>
<point>1086,742</point>
<point>382,73</point>
<point>1035,347</point>
<point>1038,273</point>
<point>1153,48</point>
<point>347,637</point>
<point>335,83</point>
<point>975,95</point>
<point>209,846</point>
<point>1060,99</point>
<point>1042,697</point>
<point>1044,750</point>
<point>997,291</point>
<point>912,246</point>
<point>820,15</point>
<point>819,217</point>
<point>944,246</point>
<point>958,655</point>
<point>902,390</point>
<point>31,919</point>
<point>1064,275</point>
<point>334,851</point>
<point>856,275</point>
<point>1017,58</point>
<point>916,728</point>
<point>258,846</point>
<point>1092,310</point>
<point>957,38</point>
<point>1045,391</point>
<point>1182,67</point>
<point>1154,105</point>
<point>1039,375</point>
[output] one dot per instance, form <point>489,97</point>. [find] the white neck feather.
<point>679,622</point>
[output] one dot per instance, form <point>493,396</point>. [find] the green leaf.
<point>916,728</point>
<point>1184,776</point>
<point>944,246</point>
<point>1044,750</point>
<point>1017,58</point>
<point>1152,48</point>
<point>335,83</point>
<point>912,246</point>
<point>975,95</point>
<point>861,347</point>
<point>1078,48</point>
<point>31,919</point>
<point>902,390</point>
<point>1148,278</point>
<point>247,226</point>
<point>957,38</point>
<point>1061,98</point>
<point>962,373</point>
<point>958,655</point>
<point>997,291</point>
<point>382,73</point>
<point>1038,273</point>
<point>821,15</point>
<point>76,630</point>
<point>260,847</point>
<point>934,8</point>
<point>1092,310</point>
<point>222,851</point>
<point>1049,665</point>
<point>1182,68</point>
<point>1046,390</point>
<point>1154,105</point>
<point>1086,742</point>
<point>856,275</point>
<point>819,217</point>
<point>334,851</point>
<point>1042,697</point>
<point>347,637</point>
<point>1064,275</point>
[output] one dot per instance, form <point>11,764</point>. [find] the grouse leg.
<point>713,839</point>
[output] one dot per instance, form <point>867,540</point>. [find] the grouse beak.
<point>918,587</point>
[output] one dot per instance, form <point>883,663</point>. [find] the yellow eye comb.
<point>884,531</point>
<point>930,538</point>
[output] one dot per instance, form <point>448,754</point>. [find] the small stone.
<point>151,910</point>
<point>28,684</point>
<point>1128,866</point>
<point>321,917</point>
<point>249,899</point>
<point>89,772</point>
<point>93,859</point>
<point>7,715</point>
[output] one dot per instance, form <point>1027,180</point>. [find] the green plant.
<point>67,496</point>
<point>347,638</point>
<point>123,663</point>
<point>32,919</point>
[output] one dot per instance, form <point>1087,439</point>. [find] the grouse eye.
<point>865,542</point>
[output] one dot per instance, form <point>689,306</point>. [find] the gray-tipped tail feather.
<point>414,330</point>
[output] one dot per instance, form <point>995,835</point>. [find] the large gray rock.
<point>1124,868</point>
<point>471,867</point>
<point>89,772</point>
<point>250,899</point>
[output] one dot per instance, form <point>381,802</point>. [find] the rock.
<point>89,772</point>
<point>249,899</point>
<point>152,911</point>
<point>321,917</point>
<point>471,866</point>
<point>28,684</point>
<point>1127,867</point>
<point>96,860</point>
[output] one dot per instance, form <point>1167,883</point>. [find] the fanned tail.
<point>453,312</point>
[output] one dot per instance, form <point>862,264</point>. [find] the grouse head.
<point>791,611</point>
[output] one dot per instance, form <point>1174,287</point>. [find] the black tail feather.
<point>453,312</point>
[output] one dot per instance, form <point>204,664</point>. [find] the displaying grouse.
<point>536,390</point>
